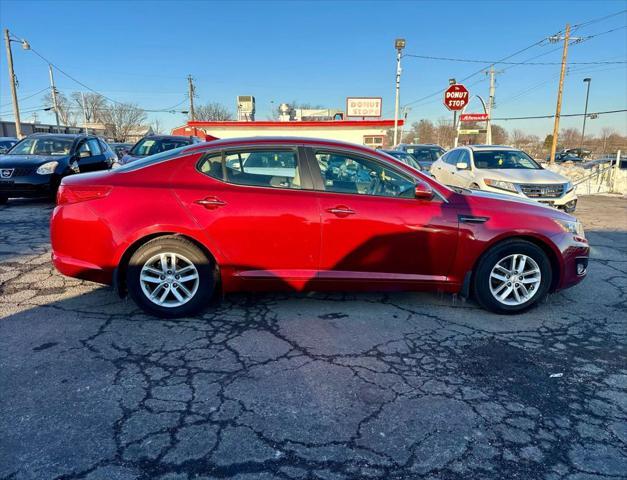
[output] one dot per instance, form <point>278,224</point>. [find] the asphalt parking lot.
<point>343,386</point>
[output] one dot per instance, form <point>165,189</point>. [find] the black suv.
<point>152,144</point>
<point>35,166</point>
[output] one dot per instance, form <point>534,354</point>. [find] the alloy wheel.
<point>169,279</point>
<point>515,279</point>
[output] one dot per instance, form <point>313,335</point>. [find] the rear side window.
<point>211,165</point>
<point>263,168</point>
<point>451,157</point>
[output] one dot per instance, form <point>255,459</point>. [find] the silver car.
<point>504,170</point>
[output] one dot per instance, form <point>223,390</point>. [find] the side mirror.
<point>461,166</point>
<point>84,154</point>
<point>423,192</point>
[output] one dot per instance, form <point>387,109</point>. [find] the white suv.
<point>506,170</point>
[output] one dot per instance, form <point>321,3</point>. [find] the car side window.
<point>94,146</point>
<point>463,157</point>
<point>212,165</point>
<point>276,168</point>
<point>451,157</point>
<point>346,173</point>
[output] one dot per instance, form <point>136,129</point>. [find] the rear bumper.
<point>73,267</point>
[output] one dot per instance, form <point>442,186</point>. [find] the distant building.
<point>372,133</point>
<point>7,128</point>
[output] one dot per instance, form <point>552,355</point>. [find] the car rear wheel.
<point>170,277</point>
<point>512,277</point>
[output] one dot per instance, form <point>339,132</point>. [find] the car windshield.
<point>43,146</point>
<point>425,154</point>
<point>150,146</point>
<point>406,158</point>
<point>505,159</point>
<point>149,160</point>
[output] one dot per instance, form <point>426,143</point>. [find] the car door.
<point>442,167</point>
<point>462,177</point>
<point>89,155</point>
<point>373,227</point>
<point>258,206</point>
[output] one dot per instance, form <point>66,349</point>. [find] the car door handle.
<point>341,211</point>
<point>210,202</point>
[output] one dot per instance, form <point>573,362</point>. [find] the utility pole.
<point>192,92</point>
<point>12,81</point>
<point>399,44</point>
<point>53,92</point>
<point>84,113</point>
<point>488,133</point>
<point>556,126</point>
<point>585,113</point>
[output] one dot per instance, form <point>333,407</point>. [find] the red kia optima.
<point>299,214</point>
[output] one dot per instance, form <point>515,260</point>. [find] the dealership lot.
<point>385,386</point>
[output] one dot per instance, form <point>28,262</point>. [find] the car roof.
<point>475,148</point>
<point>419,145</point>
<point>168,137</point>
<point>61,135</point>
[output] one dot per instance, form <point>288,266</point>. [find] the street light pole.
<point>399,44</point>
<point>16,108</point>
<point>585,113</point>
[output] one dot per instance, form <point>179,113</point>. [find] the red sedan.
<point>299,214</point>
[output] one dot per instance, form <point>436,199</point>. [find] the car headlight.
<point>500,184</point>
<point>47,168</point>
<point>571,226</point>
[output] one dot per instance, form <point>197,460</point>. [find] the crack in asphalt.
<point>309,386</point>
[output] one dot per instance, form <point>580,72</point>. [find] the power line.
<point>428,57</point>
<point>562,115</point>
<point>599,19</point>
<point>21,99</point>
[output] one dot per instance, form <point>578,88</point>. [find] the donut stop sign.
<point>456,97</point>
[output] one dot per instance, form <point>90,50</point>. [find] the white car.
<point>505,170</point>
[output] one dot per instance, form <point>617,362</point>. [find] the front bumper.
<point>30,186</point>
<point>567,200</point>
<point>575,255</point>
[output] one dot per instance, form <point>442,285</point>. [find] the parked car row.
<point>175,228</point>
<point>497,169</point>
<point>34,166</point>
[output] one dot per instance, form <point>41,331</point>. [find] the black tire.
<point>3,199</point>
<point>481,277</point>
<point>180,246</point>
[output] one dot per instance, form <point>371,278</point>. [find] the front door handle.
<point>341,211</point>
<point>210,203</point>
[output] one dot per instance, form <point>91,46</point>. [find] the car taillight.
<point>80,193</point>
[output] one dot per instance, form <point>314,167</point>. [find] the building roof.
<point>308,124</point>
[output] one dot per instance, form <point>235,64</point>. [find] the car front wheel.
<point>170,277</point>
<point>512,277</point>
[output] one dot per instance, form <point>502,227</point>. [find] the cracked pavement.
<point>317,386</point>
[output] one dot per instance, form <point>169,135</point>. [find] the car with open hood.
<point>35,166</point>
<point>505,170</point>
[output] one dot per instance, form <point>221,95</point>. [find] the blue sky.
<point>317,52</point>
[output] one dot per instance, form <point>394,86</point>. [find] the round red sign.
<point>456,97</point>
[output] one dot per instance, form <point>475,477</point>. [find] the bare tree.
<point>121,119</point>
<point>518,137</point>
<point>156,126</point>
<point>94,105</point>
<point>213,111</point>
<point>67,116</point>
<point>499,135</point>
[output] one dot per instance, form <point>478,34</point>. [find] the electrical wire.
<point>427,57</point>
<point>562,115</point>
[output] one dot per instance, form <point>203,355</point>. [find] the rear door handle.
<point>341,211</point>
<point>210,203</point>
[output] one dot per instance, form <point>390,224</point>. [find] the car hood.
<point>523,175</point>
<point>511,203</point>
<point>29,160</point>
